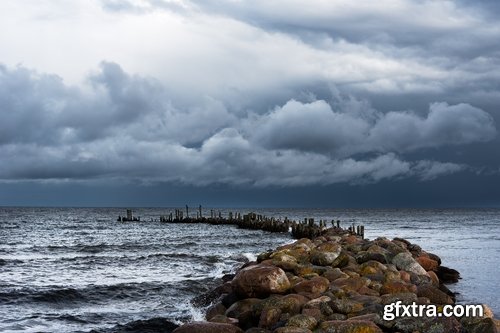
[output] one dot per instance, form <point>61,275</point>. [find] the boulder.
<point>405,261</point>
<point>316,285</point>
<point>214,310</point>
<point>243,306</point>
<point>395,286</point>
<point>302,321</point>
<point>333,274</point>
<point>345,306</point>
<point>257,330</point>
<point>364,256</point>
<point>323,258</point>
<point>291,329</point>
<point>291,303</point>
<point>349,326</point>
<point>260,281</point>
<point>269,317</point>
<point>427,263</point>
<point>447,275</point>
<point>351,284</point>
<point>478,325</point>
<point>435,295</point>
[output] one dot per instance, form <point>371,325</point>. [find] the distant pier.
<point>307,228</point>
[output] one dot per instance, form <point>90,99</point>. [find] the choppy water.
<point>77,269</point>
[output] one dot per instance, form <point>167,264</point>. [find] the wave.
<point>4,262</point>
<point>89,294</point>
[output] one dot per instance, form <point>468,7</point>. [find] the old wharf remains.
<point>307,228</point>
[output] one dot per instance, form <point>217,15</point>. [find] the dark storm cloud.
<point>265,94</point>
<point>316,127</point>
<point>124,126</point>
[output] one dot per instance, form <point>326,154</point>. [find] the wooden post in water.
<point>199,209</point>
<point>187,211</point>
<point>338,223</point>
<point>363,232</point>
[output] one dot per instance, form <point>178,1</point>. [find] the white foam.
<point>250,256</point>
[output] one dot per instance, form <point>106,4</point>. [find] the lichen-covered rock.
<point>349,326</point>
<point>394,286</point>
<point>291,303</point>
<point>282,260</point>
<point>405,298</point>
<point>352,283</point>
<point>333,274</point>
<point>343,260</point>
<point>434,278</point>
<point>442,325</point>
<point>371,267</point>
<point>405,261</point>
<point>260,281</point>
<point>257,330</point>
<point>323,258</point>
<point>316,303</point>
<point>427,263</point>
<point>242,306</point>
<point>269,317</point>
<point>207,327</point>
<point>478,325</point>
<point>302,321</point>
<point>364,256</point>
<point>345,306</point>
<point>435,295</point>
<point>316,285</point>
<point>291,329</point>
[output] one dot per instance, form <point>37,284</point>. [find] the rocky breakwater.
<point>336,283</point>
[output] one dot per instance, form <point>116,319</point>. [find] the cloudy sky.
<point>267,103</point>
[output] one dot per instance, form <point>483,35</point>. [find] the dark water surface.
<point>77,269</point>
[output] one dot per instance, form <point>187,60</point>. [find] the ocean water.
<point>78,270</point>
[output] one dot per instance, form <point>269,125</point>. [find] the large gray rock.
<point>406,262</point>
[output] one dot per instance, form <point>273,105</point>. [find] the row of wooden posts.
<point>306,228</point>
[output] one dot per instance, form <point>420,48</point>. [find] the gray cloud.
<point>429,170</point>
<point>141,7</point>
<point>436,50</point>
<point>122,126</point>
<point>316,127</point>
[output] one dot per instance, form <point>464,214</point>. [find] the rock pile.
<point>336,283</point>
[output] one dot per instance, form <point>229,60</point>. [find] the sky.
<point>327,103</point>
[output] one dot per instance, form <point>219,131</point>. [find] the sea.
<point>79,270</point>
